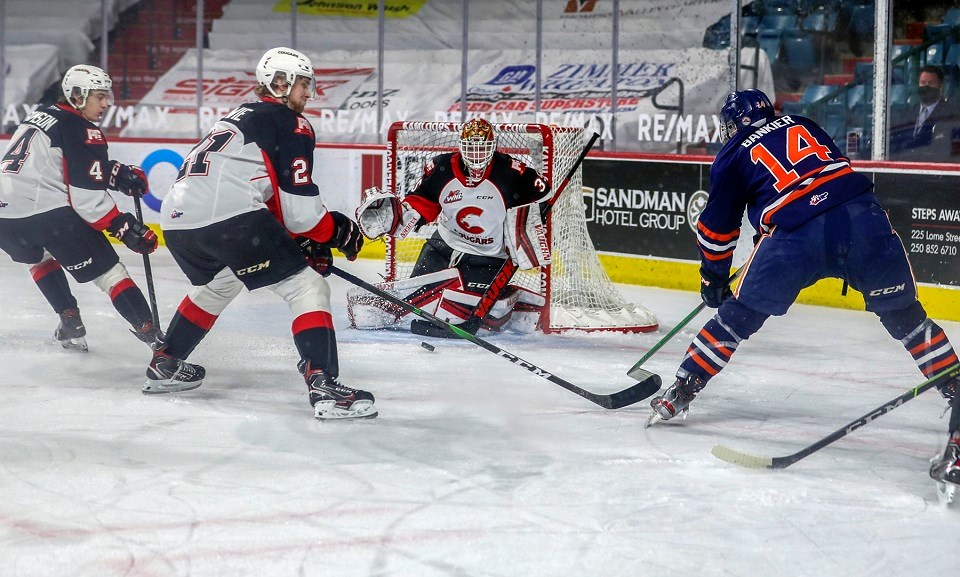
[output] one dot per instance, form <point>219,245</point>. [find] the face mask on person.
<point>929,94</point>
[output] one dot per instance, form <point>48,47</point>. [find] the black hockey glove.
<point>128,179</point>
<point>137,236</point>
<point>318,255</point>
<point>346,236</point>
<point>714,287</point>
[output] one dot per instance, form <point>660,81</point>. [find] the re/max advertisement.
<point>650,207</point>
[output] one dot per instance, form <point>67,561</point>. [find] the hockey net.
<point>579,293</point>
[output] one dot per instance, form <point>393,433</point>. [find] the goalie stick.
<point>499,282</point>
<point>633,394</point>
<point>640,374</point>
<point>755,462</point>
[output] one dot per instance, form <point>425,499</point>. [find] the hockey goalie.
<point>484,203</point>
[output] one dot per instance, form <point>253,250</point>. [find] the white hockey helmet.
<point>478,141</point>
<point>287,61</point>
<point>81,79</point>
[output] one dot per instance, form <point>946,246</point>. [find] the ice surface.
<point>475,467</point>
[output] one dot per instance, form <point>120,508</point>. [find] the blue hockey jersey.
<point>783,173</point>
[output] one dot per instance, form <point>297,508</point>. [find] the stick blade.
<point>641,374</point>
<point>635,393</point>
<point>743,459</point>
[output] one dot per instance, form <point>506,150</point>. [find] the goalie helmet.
<point>477,143</point>
<point>80,80</point>
<point>744,108</point>
<point>290,64</point>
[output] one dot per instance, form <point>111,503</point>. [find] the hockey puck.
<point>428,346</point>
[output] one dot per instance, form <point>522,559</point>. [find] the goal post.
<point>579,294</point>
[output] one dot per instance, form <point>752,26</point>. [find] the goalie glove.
<point>382,213</point>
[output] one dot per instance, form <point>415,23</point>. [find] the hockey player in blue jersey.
<point>816,218</point>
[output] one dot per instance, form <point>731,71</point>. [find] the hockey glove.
<point>137,236</point>
<point>346,236</point>
<point>318,256</point>
<point>714,287</point>
<point>128,179</point>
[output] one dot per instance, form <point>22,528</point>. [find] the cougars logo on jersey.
<point>471,217</point>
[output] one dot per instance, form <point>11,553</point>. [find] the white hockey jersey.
<point>258,156</point>
<point>471,218</point>
<point>57,158</point>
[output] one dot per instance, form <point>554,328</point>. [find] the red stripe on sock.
<point>922,347</point>
<point>312,320</point>
<point>938,366</point>
<point>120,287</point>
<point>196,315</point>
<point>44,268</point>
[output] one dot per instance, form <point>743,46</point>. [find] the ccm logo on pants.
<point>253,268</point>
<point>888,290</point>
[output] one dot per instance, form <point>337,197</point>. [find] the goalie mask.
<point>284,64</point>
<point>744,108</point>
<point>477,143</point>
<point>80,80</point>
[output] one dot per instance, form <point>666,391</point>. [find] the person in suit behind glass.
<point>931,130</point>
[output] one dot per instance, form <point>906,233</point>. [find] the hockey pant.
<point>307,294</point>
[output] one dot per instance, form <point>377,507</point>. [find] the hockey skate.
<point>71,331</point>
<point>945,470</point>
<point>675,400</point>
<point>168,374</point>
<point>332,401</point>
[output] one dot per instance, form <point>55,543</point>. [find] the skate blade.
<point>162,387</point>
<point>945,492</point>
<point>329,411</point>
<point>77,344</point>
<point>652,419</point>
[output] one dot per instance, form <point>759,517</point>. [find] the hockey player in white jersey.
<point>470,194</point>
<point>244,212</point>
<point>54,205</point>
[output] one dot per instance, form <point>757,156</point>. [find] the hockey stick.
<point>639,374</point>
<point>147,271</point>
<point>633,394</point>
<point>754,462</point>
<point>499,282</point>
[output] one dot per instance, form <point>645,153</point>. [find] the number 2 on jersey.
<point>800,144</point>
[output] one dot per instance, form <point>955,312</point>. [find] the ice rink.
<point>474,467</point>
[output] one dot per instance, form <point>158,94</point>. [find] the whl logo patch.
<point>818,198</point>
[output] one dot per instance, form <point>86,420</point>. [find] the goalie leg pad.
<point>526,237</point>
<point>525,313</point>
<point>366,311</point>
<point>456,306</point>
